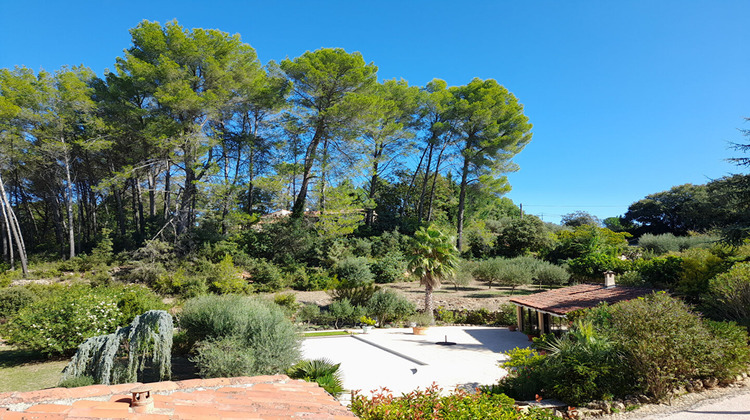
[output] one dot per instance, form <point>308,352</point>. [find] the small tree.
<point>433,259</point>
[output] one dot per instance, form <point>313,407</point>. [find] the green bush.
<point>667,242</point>
<point>387,305</point>
<point>267,277</point>
<point>432,403</point>
<point>287,302</point>
<point>665,342</point>
<point>506,315</point>
<point>342,312</point>
<point>660,271</point>
<point>584,366</point>
<point>354,272</point>
<point>76,382</point>
<point>551,274</point>
<point>181,282</point>
<point>261,325</point>
<point>7,277</point>
<point>223,357</point>
<point>314,278</point>
<point>357,295</point>
<point>591,267</point>
<point>225,278</point>
<point>309,313</point>
<point>389,268</point>
<point>145,272</point>
<point>729,294</point>
<point>526,376</point>
<point>57,323</point>
<point>730,353</point>
<point>13,299</point>
<point>698,267</point>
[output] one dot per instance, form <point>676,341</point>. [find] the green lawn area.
<point>324,333</point>
<point>23,371</point>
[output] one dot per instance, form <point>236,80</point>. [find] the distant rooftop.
<point>259,397</point>
<point>568,299</point>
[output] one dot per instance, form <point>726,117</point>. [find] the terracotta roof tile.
<point>582,296</point>
<point>260,397</point>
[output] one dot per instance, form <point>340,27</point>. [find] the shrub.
<point>182,283</point>
<point>7,277</point>
<point>730,354</point>
<point>261,325</point>
<point>358,296</point>
<point>549,274</point>
<point>585,365</point>
<point>76,382</point>
<point>354,272</point>
<point>389,268</point>
<point>432,403</point>
<point>322,371</point>
<point>591,267</point>
<point>388,305</point>
<point>697,268</point>
<point>664,341</point>
<point>506,315</point>
<point>343,312</point>
<point>225,278</point>
<point>526,376</point>
<point>267,277</point>
<point>309,313</point>
<point>145,272</point>
<point>223,357</point>
<point>13,299</point>
<point>667,242</point>
<point>57,323</point>
<point>287,302</point>
<point>729,294</point>
<point>314,278</point>
<point>660,271</point>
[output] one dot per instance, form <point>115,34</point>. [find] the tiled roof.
<point>582,296</point>
<point>259,397</point>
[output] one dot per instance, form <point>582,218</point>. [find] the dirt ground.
<point>475,295</point>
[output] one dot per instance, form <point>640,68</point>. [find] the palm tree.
<point>433,259</point>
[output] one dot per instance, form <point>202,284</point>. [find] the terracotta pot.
<point>419,330</point>
<point>512,328</point>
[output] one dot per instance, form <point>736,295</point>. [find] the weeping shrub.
<point>121,357</point>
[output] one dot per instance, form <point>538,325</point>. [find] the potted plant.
<point>512,327</point>
<point>367,323</point>
<point>419,323</point>
<point>530,332</point>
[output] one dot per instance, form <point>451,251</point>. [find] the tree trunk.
<point>425,179</point>
<point>298,210</point>
<point>167,191</point>
<point>462,204</point>
<point>120,211</point>
<point>69,205</point>
<point>151,193</point>
<point>428,309</point>
<point>12,223</point>
<point>434,181</point>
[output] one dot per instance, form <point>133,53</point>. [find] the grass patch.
<point>324,333</point>
<point>25,371</point>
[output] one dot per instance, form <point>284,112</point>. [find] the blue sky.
<point>626,98</point>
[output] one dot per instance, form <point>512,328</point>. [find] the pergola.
<point>545,312</point>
